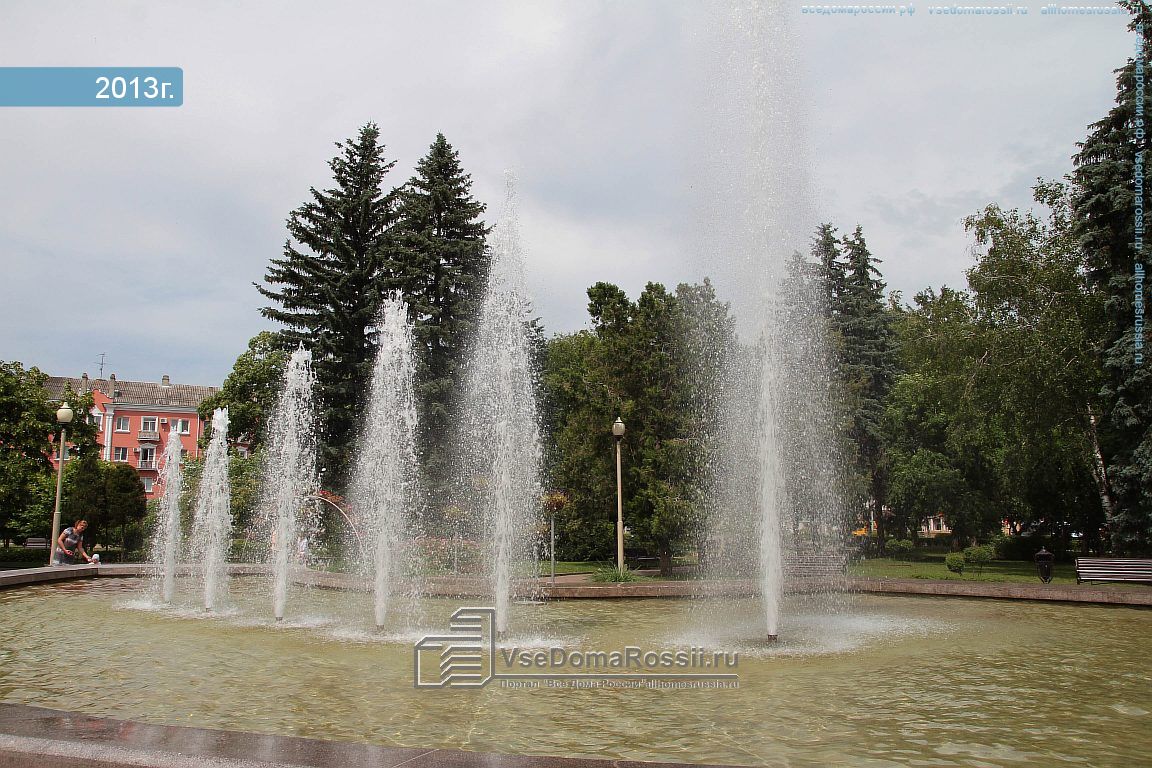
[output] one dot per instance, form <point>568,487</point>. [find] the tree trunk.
<point>665,563</point>
<point>1099,473</point>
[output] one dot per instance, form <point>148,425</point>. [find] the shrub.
<point>955,562</point>
<point>979,556</point>
<point>1025,547</point>
<point>28,558</point>
<point>901,549</point>
<point>615,575</point>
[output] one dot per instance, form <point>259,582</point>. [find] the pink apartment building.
<point>135,419</point>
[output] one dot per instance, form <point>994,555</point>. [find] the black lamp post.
<point>1044,560</point>
<point>618,433</point>
<point>63,418</point>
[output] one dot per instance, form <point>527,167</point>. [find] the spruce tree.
<point>830,264</point>
<point>868,364</point>
<point>438,260</point>
<point>1105,225</point>
<point>328,284</point>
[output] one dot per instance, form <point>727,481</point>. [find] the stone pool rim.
<point>1131,596</point>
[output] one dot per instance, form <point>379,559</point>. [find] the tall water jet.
<point>212,522</point>
<point>760,213</point>
<point>289,469</point>
<point>769,498</point>
<point>166,539</point>
<point>385,487</point>
<point>502,414</point>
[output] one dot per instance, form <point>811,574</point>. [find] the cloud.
<point>138,232</point>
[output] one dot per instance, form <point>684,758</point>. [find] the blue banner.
<point>91,86</point>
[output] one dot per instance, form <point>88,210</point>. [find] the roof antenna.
<point>102,354</point>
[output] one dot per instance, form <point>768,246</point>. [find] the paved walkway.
<point>31,737</point>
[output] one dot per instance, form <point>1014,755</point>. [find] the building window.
<point>119,454</point>
<point>123,423</point>
<point>98,420</point>
<point>147,458</point>
<point>183,453</point>
<point>184,426</point>
<point>148,424</point>
<point>149,483</point>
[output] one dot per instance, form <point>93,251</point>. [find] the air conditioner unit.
<point>163,421</point>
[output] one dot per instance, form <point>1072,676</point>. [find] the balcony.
<point>148,437</point>
<point>146,464</point>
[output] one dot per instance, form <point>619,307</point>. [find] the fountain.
<point>757,209</point>
<point>166,539</point>
<point>384,488</point>
<point>212,522</point>
<point>502,421</point>
<point>289,469</point>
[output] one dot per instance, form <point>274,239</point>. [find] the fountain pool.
<point>893,681</point>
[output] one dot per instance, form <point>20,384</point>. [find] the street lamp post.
<point>618,433</point>
<point>64,417</point>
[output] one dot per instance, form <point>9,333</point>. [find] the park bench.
<point>36,543</point>
<point>816,564</point>
<point>1112,569</point>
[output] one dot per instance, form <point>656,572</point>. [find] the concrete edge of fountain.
<point>36,737</point>
<point>464,587</point>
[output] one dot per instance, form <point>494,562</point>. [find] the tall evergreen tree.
<point>439,261</point>
<point>328,284</point>
<point>868,364</point>
<point>830,264</point>
<point>1105,224</point>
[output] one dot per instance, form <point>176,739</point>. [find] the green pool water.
<point>879,681</point>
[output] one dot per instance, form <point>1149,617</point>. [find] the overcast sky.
<point>138,232</point>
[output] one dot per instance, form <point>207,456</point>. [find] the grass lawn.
<point>932,567</point>
<point>564,567</point>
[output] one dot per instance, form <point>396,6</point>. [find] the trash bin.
<point>1044,560</point>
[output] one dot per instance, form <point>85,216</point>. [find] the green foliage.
<point>250,391</point>
<point>979,556</point>
<point>649,362</point>
<point>244,477</point>
<point>955,562</point>
<point>437,259</point>
<point>127,506</point>
<point>328,283</point>
<point>1103,210</point>
<point>27,429</point>
<point>24,558</point>
<point>615,575</point>
<point>971,436</point>
<point>349,246</point>
<point>868,361</point>
<point>900,549</point>
<point>85,497</point>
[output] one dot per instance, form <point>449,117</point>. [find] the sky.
<point>137,234</point>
